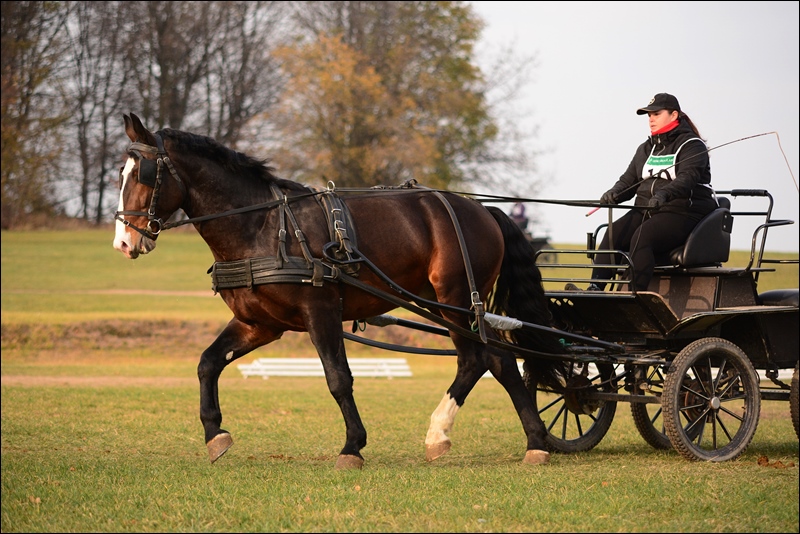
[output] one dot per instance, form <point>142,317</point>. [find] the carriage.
<point>684,354</point>
<point>695,346</point>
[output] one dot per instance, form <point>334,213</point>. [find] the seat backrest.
<point>710,241</point>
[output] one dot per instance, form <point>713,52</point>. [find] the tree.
<point>340,121</point>
<point>202,66</point>
<point>98,83</point>
<point>242,78</point>
<point>32,110</point>
<point>381,92</point>
<point>369,92</point>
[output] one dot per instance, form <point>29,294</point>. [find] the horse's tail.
<point>519,293</point>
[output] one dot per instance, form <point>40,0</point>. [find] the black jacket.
<point>681,188</point>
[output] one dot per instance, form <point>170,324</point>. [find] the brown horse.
<point>292,258</point>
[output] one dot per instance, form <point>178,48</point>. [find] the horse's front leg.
<point>236,340</point>
<point>325,332</point>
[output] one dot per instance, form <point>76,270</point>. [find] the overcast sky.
<point>732,65</point>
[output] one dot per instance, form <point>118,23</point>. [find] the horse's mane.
<point>229,159</point>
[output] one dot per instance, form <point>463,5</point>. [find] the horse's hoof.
<point>436,450</point>
<point>218,446</point>
<point>349,461</point>
<point>536,457</point>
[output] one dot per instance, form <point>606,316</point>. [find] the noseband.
<point>148,177</point>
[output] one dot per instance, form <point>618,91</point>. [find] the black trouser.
<point>646,236</point>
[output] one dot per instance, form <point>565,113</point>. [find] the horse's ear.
<point>136,130</point>
<point>129,127</point>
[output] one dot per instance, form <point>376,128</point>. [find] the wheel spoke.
<point>714,432</point>
<point>685,409</point>
<point>724,429</point>
<point>547,407</point>
<point>564,425</point>
<point>556,417</point>
<point>732,381</point>
<point>720,374</point>
<point>693,422</point>
<point>732,414</point>
<point>696,393</point>
<point>656,416</point>
<point>739,397</point>
<point>699,438</point>
<point>578,424</point>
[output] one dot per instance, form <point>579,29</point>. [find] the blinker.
<point>148,170</point>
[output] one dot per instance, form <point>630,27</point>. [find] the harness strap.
<point>253,272</point>
<point>151,211</point>
<point>475,297</point>
<point>285,211</point>
<point>281,228</point>
<point>339,220</point>
<point>163,157</point>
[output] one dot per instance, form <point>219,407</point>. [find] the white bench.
<point>375,367</point>
<point>487,374</point>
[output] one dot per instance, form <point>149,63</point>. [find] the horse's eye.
<point>120,176</point>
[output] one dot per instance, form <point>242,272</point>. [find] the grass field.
<point>100,426</point>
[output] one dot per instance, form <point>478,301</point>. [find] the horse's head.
<point>150,191</point>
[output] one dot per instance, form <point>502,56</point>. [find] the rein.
<point>163,159</point>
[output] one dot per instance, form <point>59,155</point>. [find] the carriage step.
<point>374,367</point>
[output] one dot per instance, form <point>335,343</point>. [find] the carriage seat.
<point>710,241</point>
<point>779,297</point>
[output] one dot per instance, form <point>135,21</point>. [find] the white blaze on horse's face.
<point>126,240</point>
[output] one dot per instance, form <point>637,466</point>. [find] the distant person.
<point>518,216</point>
<point>670,176</point>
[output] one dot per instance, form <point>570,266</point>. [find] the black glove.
<point>656,202</point>
<point>608,198</point>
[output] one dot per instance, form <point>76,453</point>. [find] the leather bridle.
<point>152,178</point>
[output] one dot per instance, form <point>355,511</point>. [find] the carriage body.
<point>696,331</point>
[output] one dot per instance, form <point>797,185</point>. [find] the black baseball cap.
<point>659,102</point>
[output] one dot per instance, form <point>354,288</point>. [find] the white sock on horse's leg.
<point>437,442</point>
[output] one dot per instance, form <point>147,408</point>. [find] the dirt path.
<point>155,292</point>
<point>96,381</point>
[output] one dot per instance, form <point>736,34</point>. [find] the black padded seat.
<point>779,297</point>
<point>710,241</point>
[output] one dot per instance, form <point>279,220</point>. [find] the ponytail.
<point>685,117</point>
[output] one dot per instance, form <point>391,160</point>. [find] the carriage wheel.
<point>574,422</point>
<point>794,399</point>
<point>647,417</point>
<point>711,401</point>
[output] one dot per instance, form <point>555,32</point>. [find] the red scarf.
<point>671,126</point>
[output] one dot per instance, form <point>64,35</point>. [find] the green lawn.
<point>100,426</point>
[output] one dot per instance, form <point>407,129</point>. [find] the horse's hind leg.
<point>326,335</point>
<point>470,369</point>
<point>473,362</point>
<point>505,370</point>
<point>236,340</point>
